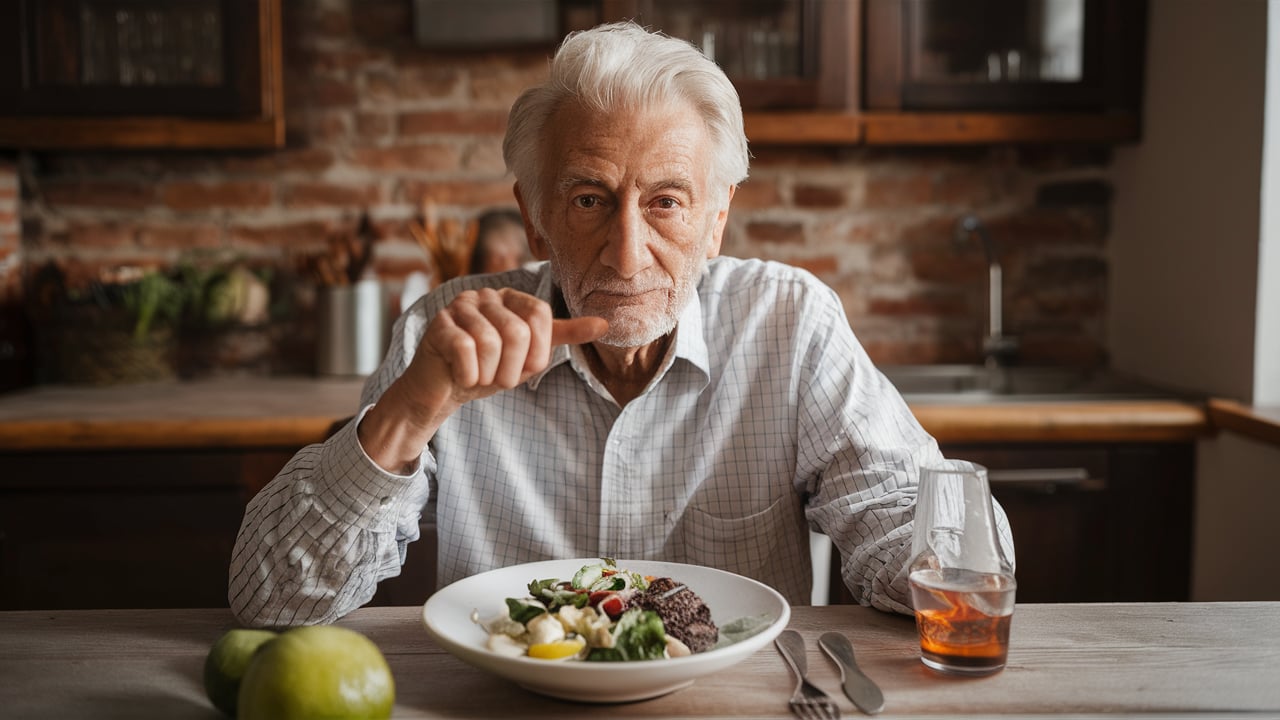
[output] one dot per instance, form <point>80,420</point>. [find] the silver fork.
<point>808,701</point>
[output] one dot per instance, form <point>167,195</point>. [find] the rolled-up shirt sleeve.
<point>317,540</point>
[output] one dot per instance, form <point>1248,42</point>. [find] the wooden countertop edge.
<point>292,432</point>
<point>1261,424</point>
<point>1148,421</point>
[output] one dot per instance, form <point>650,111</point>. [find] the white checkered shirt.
<point>766,419</point>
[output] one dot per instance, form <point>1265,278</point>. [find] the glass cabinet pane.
<point>752,39</point>
<point>996,41</point>
<point>132,44</point>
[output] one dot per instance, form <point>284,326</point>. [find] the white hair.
<point>622,66</point>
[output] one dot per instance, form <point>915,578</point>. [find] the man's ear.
<point>537,243</point>
<point>722,218</point>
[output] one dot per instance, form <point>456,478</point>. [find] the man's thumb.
<point>576,331</point>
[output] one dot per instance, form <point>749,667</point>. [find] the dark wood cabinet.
<point>1004,55</point>
<point>1091,522</point>
<point>841,72</point>
<point>142,528</point>
<point>141,73</point>
<point>780,54</point>
<point>1094,522</point>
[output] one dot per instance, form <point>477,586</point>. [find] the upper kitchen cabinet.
<point>141,73</point>
<point>940,67</point>
<point>919,72</point>
<point>780,54</point>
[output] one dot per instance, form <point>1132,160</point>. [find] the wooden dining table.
<point>1075,660</point>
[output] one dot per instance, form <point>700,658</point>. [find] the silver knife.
<point>861,689</point>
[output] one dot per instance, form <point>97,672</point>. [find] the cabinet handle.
<point>1045,478</point>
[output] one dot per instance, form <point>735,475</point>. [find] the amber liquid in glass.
<point>963,618</point>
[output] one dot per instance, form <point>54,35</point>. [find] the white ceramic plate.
<point>447,616</point>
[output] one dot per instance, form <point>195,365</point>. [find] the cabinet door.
<point>1004,54</point>
<point>780,54</point>
<point>153,72</point>
<point>1095,522</point>
<point>128,529</point>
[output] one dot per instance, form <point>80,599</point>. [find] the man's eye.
<point>667,203</point>
<point>586,202</point>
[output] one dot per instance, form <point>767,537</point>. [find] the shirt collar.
<point>690,343</point>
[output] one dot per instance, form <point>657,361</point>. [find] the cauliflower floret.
<point>545,628</point>
<point>592,626</point>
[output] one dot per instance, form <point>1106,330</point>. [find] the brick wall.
<point>376,123</point>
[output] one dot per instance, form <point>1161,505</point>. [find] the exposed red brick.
<point>313,233</point>
<point>468,122</point>
<point>377,21</point>
<point>458,192</point>
<point>339,62</point>
<point>966,187</point>
<point>500,87</point>
<point>926,304</point>
<point>379,88</point>
<point>186,195</point>
<point>375,125</point>
<point>427,83</point>
<point>484,157</point>
<point>181,237</point>
<point>776,232</point>
<point>320,128</point>
<point>432,157</point>
<point>302,160</point>
<point>8,190</point>
<point>897,190</point>
<point>945,265</point>
<point>818,196</point>
<point>757,193</point>
<point>96,235</point>
<point>821,266</point>
<point>771,156</point>
<point>317,91</point>
<point>113,194</point>
<point>321,194</point>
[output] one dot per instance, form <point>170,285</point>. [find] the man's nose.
<point>626,249</point>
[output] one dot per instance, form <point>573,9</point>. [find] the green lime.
<point>322,671</point>
<point>226,662</point>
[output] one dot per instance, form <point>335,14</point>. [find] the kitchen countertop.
<point>295,411</point>
<point>1259,423</point>
<point>1183,659</point>
<point>225,412</point>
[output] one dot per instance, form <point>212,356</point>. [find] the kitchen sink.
<point>980,384</point>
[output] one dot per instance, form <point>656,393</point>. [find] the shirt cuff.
<point>358,489</point>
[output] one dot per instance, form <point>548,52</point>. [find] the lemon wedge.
<point>557,650</point>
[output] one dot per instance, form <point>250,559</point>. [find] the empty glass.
<point>962,584</point>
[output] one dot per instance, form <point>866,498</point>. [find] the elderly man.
<point>635,396</point>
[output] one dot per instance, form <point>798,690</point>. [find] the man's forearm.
<point>396,430</point>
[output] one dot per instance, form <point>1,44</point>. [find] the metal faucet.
<point>998,349</point>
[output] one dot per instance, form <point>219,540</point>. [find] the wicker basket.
<point>106,356</point>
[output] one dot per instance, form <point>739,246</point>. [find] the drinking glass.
<point>962,584</point>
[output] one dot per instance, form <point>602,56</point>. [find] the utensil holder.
<point>352,336</point>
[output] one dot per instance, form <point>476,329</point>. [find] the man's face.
<point>629,218</point>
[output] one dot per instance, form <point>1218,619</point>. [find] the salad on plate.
<point>605,613</point>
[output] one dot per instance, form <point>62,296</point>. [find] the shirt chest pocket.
<point>738,539</point>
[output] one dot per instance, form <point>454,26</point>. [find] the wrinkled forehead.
<point>580,139</point>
